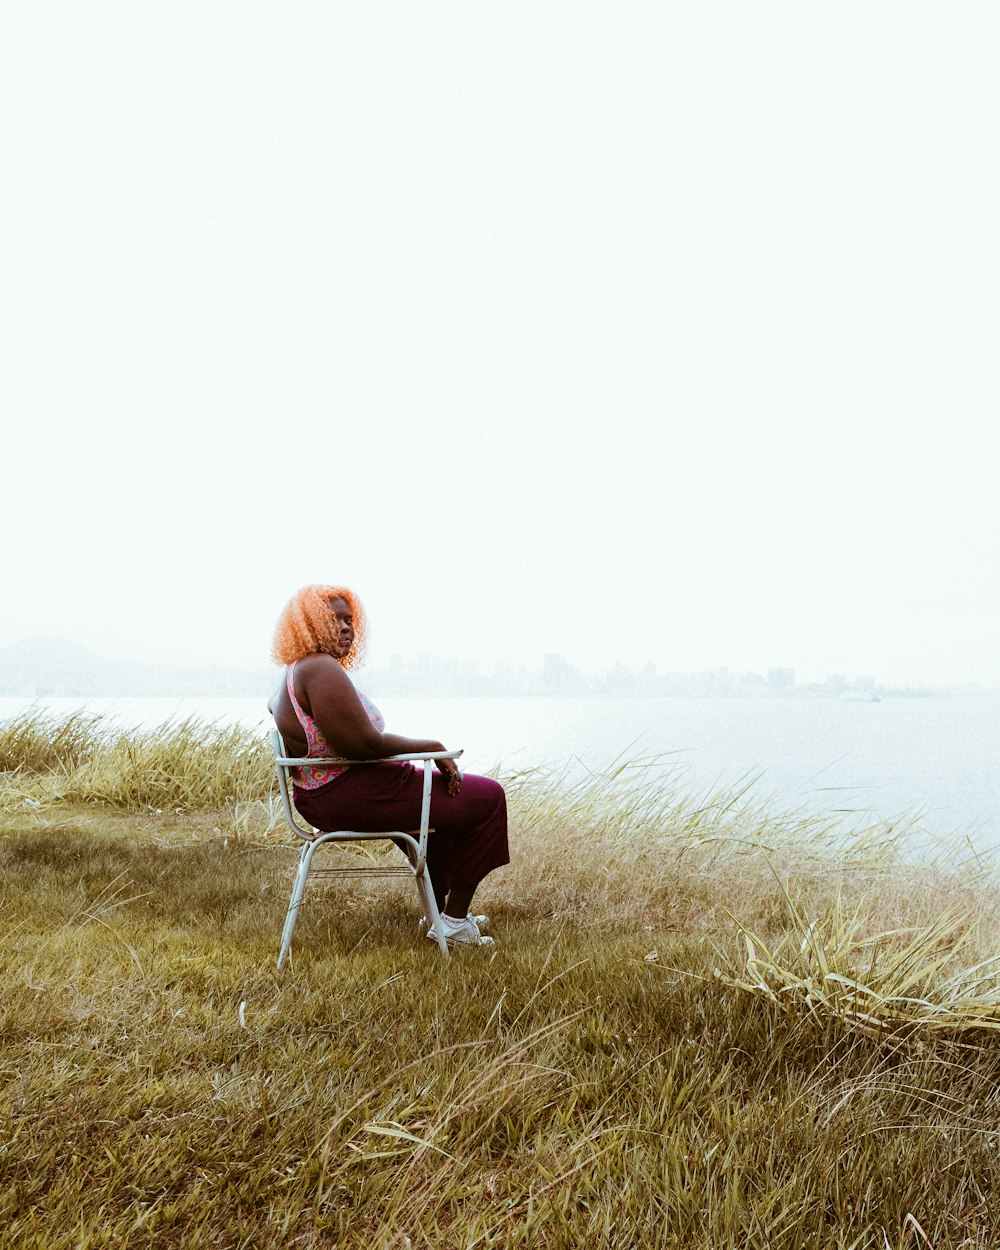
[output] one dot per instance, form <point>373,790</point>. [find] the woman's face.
<point>341,612</point>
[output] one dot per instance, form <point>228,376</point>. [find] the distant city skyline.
<point>49,667</point>
<point>559,676</point>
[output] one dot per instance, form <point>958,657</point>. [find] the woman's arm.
<point>328,695</point>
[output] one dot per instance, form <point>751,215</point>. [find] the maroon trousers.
<point>469,837</point>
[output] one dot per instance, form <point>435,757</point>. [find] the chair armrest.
<point>291,761</point>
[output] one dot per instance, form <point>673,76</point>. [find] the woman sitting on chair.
<point>320,713</point>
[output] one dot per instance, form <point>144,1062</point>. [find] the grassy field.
<point>706,1023</point>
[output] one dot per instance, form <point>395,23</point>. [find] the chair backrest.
<point>283,764</point>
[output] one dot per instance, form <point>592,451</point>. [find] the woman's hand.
<point>450,770</point>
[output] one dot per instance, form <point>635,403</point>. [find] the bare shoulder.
<point>322,673</point>
<point>318,662</point>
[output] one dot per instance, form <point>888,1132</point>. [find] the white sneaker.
<point>480,921</point>
<point>461,933</point>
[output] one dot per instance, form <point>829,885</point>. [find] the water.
<point>941,756</point>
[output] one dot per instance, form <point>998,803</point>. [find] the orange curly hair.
<point>305,626</point>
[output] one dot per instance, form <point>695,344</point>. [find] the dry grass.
<point>87,759</point>
<point>707,1025</point>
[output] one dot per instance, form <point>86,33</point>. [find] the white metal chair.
<point>413,843</point>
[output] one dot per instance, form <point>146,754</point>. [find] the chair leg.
<point>298,889</point>
<point>425,888</point>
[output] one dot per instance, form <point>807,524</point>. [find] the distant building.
<point>780,678</point>
<point>559,676</point>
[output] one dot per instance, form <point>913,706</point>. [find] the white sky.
<point>638,331</point>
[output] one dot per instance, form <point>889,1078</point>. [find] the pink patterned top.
<point>317,747</point>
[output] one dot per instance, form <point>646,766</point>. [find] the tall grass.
<point>659,1054</point>
<point>88,759</point>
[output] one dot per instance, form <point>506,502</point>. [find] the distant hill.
<point>43,667</point>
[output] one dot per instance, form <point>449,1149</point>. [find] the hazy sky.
<point>639,331</point>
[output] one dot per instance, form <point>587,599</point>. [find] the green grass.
<point>707,1024</point>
